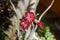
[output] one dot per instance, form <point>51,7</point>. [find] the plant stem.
<point>44,13</point>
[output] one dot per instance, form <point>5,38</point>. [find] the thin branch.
<point>26,3</point>
<point>13,7</point>
<point>17,28</point>
<point>33,31</point>
<point>34,6</point>
<point>21,6</point>
<point>44,13</point>
<point>27,32</point>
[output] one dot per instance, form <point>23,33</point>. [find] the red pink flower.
<point>23,24</point>
<point>40,24</point>
<point>29,17</point>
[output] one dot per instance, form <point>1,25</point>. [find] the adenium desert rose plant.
<point>26,17</point>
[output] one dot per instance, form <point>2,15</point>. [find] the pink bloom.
<point>40,24</point>
<point>29,17</point>
<point>23,24</point>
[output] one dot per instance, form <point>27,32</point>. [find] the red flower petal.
<point>29,17</point>
<point>40,24</point>
<point>23,24</point>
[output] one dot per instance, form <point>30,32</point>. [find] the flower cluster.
<point>28,19</point>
